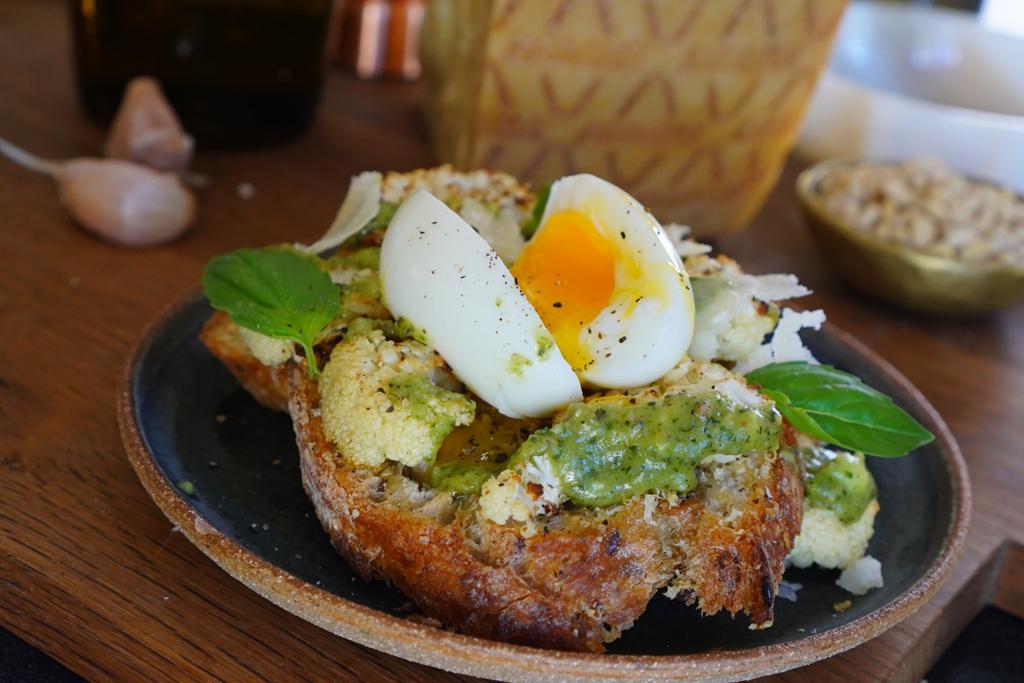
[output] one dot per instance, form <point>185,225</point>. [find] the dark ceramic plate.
<point>185,419</point>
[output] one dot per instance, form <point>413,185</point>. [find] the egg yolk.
<point>567,272</point>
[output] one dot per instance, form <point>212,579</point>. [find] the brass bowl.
<point>900,274</point>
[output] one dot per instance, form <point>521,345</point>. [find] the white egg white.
<point>631,343</point>
<point>439,274</point>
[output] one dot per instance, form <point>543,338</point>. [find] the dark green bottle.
<point>237,71</point>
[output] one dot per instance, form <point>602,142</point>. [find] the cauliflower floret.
<point>734,309</point>
<point>730,323</point>
<point>700,375</point>
<point>380,400</point>
<point>267,350</point>
<point>499,226</point>
<point>522,493</point>
<point>744,335</point>
<point>829,543</point>
<point>503,497</point>
<point>861,576</point>
<point>495,204</point>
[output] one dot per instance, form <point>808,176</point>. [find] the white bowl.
<point>909,80</point>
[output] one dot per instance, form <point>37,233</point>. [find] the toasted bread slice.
<point>584,577</point>
<point>268,384</point>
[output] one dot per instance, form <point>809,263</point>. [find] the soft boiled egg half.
<point>597,295</point>
<point>443,277</point>
<point>608,284</point>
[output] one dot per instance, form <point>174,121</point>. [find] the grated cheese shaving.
<point>361,204</point>
<point>785,344</point>
<point>679,236</point>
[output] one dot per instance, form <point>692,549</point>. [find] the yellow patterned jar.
<point>691,105</point>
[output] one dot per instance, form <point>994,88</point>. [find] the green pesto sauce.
<point>544,343</point>
<point>430,404</point>
<point>362,327</point>
<point>407,330</point>
<point>368,287</point>
<point>454,201</point>
<point>357,296</point>
<point>473,453</point>
<point>839,481</point>
<point>365,258</point>
<point>463,477</point>
<point>377,224</point>
<point>604,453</point>
<point>393,330</point>
<point>517,362</point>
<point>383,218</point>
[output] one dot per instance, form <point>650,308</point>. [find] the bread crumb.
<point>246,191</point>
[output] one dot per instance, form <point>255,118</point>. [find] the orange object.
<point>381,38</point>
<point>568,274</point>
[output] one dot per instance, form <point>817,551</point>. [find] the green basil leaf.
<point>275,291</point>
<point>801,373</point>
<point>533,222</point>
<point>836,407</point>
<point>800,420</point>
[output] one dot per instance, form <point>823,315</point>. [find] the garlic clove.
<point>124,202</point>
<point>147,130</point>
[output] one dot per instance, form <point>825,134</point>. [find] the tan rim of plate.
<point>490,659</point>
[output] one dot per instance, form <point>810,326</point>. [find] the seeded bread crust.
<point>267,384</point>
<point>427,559</point>
<point>577,583</point>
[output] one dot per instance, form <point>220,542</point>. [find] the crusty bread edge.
<point>428,561</point>
<point>267,384</point>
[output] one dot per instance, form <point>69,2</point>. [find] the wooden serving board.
<point>92,572</point>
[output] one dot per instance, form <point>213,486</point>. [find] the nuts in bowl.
<point>926,205</point>
<point>918,233</point>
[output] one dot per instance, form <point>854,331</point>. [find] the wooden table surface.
<point>91,571</point>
